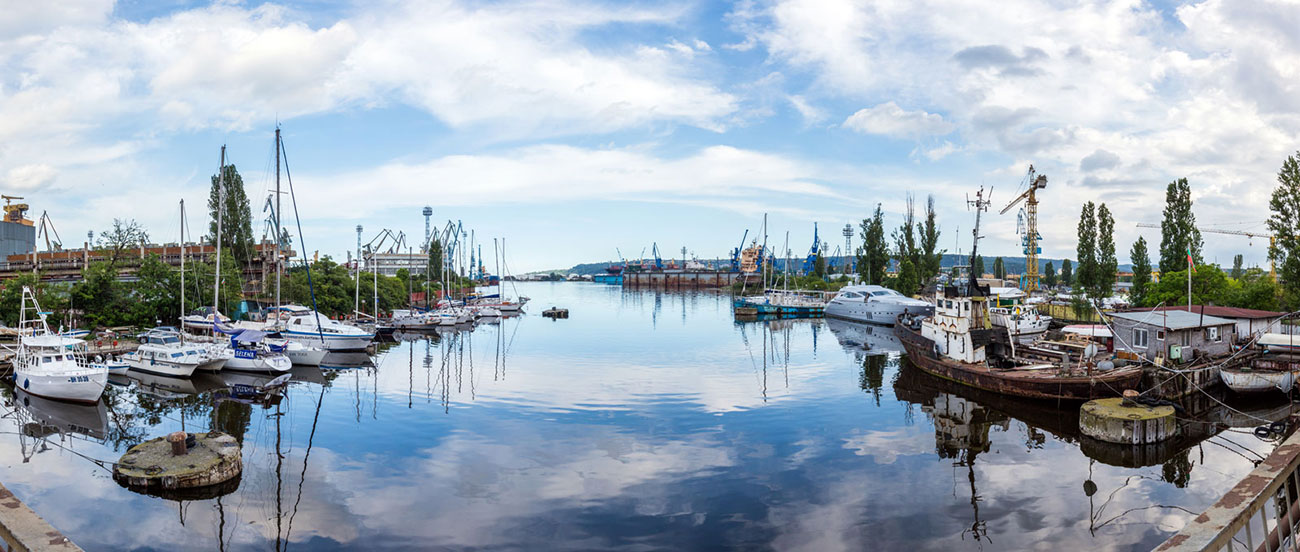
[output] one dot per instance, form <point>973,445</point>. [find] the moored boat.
<point>875,304</point>
<point>1245,379</point>
<point>50,365</point>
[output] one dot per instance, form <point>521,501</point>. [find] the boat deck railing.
<point>1260,513</point>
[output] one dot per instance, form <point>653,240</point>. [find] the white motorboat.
<point>113,365</point>
<point>1249,380</point>
<point>306,326</point>
<point>50,365</point>
<point>251,354</point>
<point>162,353</point>
<point>877,304</point>
<point>49,417</point>
<point>869,337</point>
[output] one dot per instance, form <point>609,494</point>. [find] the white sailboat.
<point>161,353</point>
<point>49,365</point>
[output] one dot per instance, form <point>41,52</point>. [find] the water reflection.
<point>649,420</point>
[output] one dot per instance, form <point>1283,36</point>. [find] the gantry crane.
<point>1031,237</point>
<point>1272,268</point>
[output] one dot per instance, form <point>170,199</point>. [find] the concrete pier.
<point>1112,421</point>
<point>23,530</point>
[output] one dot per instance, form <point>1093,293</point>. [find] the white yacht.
<point>48,365</point>
<point>306,326</point>
<point>872,303</point>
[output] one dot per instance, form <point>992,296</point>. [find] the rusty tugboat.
<point>959,343</point>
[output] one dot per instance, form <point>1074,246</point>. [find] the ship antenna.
<point>980,204</point>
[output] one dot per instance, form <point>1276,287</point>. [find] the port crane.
<point>45,228</point>
<point>1030,237</point>
<point>1272,268</point>
<point>735,254</point>
<point>15,212</point>
<point>809,263</point>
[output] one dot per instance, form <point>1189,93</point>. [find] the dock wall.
<point>684,280</point>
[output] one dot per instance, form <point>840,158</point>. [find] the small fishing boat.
<point>1246,379</point>
<point>50,365</point>
<point>300,354</point>
<point>202,319</point>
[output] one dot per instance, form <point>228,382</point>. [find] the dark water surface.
<point>646,421</point>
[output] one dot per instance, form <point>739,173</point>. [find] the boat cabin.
<point>1172,336</point>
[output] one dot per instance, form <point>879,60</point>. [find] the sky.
<point>578,130</point>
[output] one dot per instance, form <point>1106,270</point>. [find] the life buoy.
<point>1016,311</point>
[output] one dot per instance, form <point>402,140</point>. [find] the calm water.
<point>646,421</point>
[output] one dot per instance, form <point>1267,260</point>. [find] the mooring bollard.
<point>177,439</point>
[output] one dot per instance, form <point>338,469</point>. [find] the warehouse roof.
<point>1173,319</point>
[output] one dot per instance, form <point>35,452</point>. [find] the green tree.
<point>819,265</point>
<point>154,297</point>
<point>1107,268</point>
<point>1256,290</point>
<point>1049,275</point>
<point>1210,286</point>
<point>977,268</point>
<point>1236,267</point>
<point>1067,273</point>
<point>1141,260</point>
<point>118,241</point>
<point>1086,250</point>
<point>873,256</point>
<point>236,215</point>
<point>999,268</point>
<point>931,257</point>
<point>11,297</point>
<point>908,281</point>
<point>1284,223</point>
<point>1178,232</point>
<point>435,260</point>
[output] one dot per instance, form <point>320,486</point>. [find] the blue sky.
<point>572,128</point>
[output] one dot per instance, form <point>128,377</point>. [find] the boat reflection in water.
<point>872,338</point>
<point>44,417</point>
<point>1202,417</point>
<point>346,360</point>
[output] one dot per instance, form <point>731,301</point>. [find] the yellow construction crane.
<point>1272,269</point>
<point>1031,237</point>
<point>14,212</point>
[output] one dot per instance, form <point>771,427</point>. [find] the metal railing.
<point>1261,513</point>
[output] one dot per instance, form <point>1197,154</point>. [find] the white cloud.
<point>889,119</point>
<point>1212,96</point>
<point>28,178</point>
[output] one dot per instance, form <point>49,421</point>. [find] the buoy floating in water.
<point>180,461</point>
<point>1122,421</point>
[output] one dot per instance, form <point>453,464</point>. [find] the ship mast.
<point>980,204</point>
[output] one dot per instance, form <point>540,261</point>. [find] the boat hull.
<point>276,364</point>
<point>152,366</point>
<point>920,351</point>
<point>331,342</point>
<point>78,386</point>
<point>1258,381</point>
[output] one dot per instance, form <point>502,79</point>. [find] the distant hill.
<point>1015,265</point>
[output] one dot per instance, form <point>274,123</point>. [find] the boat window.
<point>1140,338</point>
<point>69,356</point>
<point>47,359</point>
<point>177,355</point>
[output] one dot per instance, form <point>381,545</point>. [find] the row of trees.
<point>915,249</point>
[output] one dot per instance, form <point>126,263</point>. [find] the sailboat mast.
<point>497,259</point>
<point>182,326</point>
<point>221,206</point>
<point>277,222</point>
